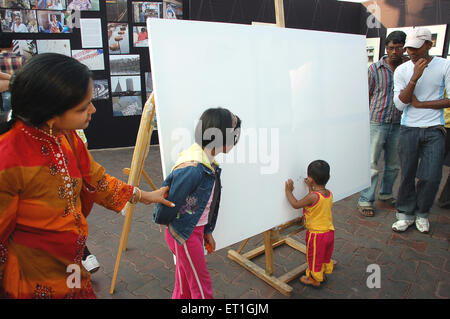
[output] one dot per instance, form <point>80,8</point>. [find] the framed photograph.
<point>126,85</point>
<point>55,46</point>
<point>118,40</point>
<point>52,22</point>
<point>92,58</point>
<point>83,5</point>
<point>373,50</point>
<point>15,4</point>
<point>100,90</point>
<point>116,11</point>
<point>172,9</point>
<point>25,48</point>
<point>148,82</point>
<point>143,10</point>
<point>48,4</point>
<point>437,36</point>
<point>18,21</point>
<point>127,105</point>
<point>140,36</point>
<point>125,64</point>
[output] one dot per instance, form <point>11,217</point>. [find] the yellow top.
<point>318,216</point>
<point>194,153</point>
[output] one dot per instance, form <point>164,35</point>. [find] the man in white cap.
<point>419,92</point>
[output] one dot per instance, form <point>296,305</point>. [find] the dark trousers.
<point>421,152</point>
<point>444,199</point>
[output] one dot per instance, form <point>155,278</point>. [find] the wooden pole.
<point>137,164</point>
<point>279,13</point>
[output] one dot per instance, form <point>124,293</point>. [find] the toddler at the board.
<point>318,220</point>
<point>195,189</point>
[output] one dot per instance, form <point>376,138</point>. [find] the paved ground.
<point>413,265</point>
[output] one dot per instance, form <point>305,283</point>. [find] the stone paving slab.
<point>412,265</point>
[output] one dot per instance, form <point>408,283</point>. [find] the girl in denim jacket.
<point>195,189</point>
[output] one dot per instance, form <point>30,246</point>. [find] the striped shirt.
<point>381,93</point>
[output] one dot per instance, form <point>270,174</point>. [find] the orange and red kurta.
<point>42,228</point>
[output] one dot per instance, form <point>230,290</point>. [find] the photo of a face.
<point>18,21</point>
<point>52,22</point>
<point>140,36</point>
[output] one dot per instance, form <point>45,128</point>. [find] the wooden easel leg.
<point>268,252</point>
<point>121,245</point>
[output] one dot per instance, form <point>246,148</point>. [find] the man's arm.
<point>406,94</point>
<point>438,104</point>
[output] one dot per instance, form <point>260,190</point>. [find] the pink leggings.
<point>192,279</point>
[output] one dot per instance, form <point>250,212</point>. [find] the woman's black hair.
<point>217,127</point>
<point>319,170</point>
<point>48,85</point>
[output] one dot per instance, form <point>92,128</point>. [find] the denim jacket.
<point>190,181</point>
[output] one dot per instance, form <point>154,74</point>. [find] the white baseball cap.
<point>417,37</point>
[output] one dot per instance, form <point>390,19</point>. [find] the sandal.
<point>366,211</point>
<point>309,281</point>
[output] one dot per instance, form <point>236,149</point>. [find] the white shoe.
<point>91,264</point>
<point>402,225</point>
<point>422,224</point>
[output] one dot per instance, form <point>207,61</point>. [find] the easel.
<point>276,236</point>
<point>135,173</point>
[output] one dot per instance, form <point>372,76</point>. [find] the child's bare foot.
<point>309,281</point>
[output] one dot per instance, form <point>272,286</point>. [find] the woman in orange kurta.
<point>42,229</point>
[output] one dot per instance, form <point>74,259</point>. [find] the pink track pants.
<point>192,279</point>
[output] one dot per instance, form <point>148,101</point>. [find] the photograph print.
<point>15,4</point>
<point>83,5</point>
<point>118,42</point>
<point>124,64</point>
<point>144,10</point>
<point>48,4</point>
<point>116,11</point>
<point>52,22</point>
<point>18,21</point>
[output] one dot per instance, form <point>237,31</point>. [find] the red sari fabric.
<point>42,229</point>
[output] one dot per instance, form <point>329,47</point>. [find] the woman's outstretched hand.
<point>157,196</point>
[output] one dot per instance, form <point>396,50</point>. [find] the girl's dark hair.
<point>319,170</point>
<point>217,126</point>
<point>48,85</point>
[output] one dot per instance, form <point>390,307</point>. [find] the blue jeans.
<point>382,137</point>
<point>421,152</point>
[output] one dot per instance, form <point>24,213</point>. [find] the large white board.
<point>301,95</point>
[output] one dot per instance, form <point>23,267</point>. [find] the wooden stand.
<point>135,172</point>
<point>273,238</point>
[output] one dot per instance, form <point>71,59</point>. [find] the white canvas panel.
<point>301,95</point>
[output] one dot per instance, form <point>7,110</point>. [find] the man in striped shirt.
<point>384,125</point>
